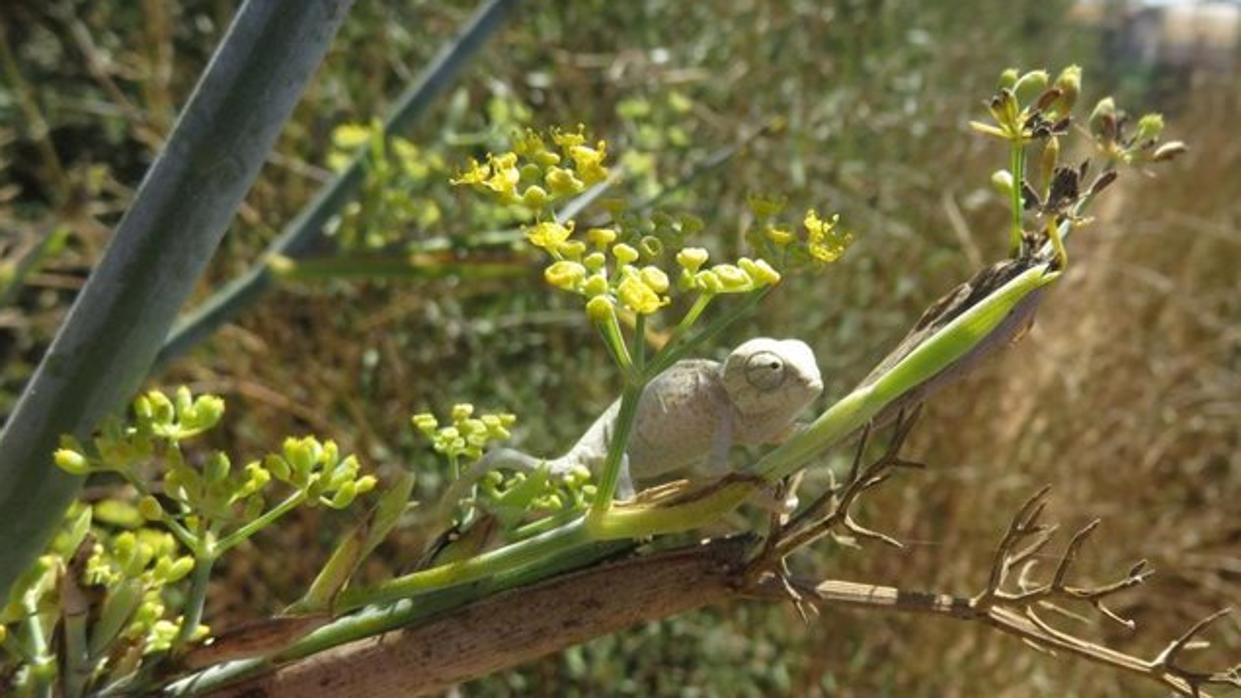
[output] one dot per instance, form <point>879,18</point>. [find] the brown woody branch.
<point>524,624</point>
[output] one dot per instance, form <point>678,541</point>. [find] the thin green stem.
<point>621,428</point>
<point>673,353</point>
<point>609,327</point>
<point>261,522</point>
<point>189,539</point>
<point>510,557</point>
<point>691,316</point>
<point>639,343</point>
<point>192,615</point>
<point>1018,167</point>
<point>546,524</point>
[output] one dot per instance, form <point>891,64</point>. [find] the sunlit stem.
<point>258,524</point>
<point>621,429</point>
<point>674,352</point>
<point>609,327</point>
<point>1018,165</point>
<point>192,615</point>
<point>43,668</point>
<point>639,343</point>
<point>691,316</point>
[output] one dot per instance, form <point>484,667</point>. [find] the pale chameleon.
<point>690,415</point>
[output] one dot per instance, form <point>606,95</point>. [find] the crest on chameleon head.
<point>764,375</point>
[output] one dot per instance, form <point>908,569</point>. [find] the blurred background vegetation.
<point>1127,395</point>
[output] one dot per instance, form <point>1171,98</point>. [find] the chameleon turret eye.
<point>765,371</point>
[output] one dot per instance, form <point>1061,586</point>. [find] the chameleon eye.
<point>765,371</point>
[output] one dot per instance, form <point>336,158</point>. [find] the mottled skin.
<point>691,414</point>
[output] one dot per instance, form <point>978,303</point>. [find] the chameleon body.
<point>691,414</point>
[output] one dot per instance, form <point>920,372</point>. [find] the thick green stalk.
<point>373,621</point>
<point>107,343</point>
<point>304,230</point>
<point>510,557</point>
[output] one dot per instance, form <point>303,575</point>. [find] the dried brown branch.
<point>832,509</point>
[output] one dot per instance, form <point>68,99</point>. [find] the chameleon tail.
<point>497,458</point>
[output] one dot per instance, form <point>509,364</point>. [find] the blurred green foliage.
<point>857,105</point>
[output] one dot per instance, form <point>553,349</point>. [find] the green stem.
<point>374,621</point>
<point>673,353</point>
<point>402,267</point>
<point>1017,165</point>
<point>617,444</point>
<point>554,542</point>
<point>691,316</point>
<point>192,615</point>
<point>261,522</point>
<point>186,537</point>
<point>43,664</point>
<point>609,327</point>
<point>639,343</point>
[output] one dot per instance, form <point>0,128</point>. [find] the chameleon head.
<point>772,375</point>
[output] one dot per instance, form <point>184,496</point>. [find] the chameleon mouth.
<point>815,384</point>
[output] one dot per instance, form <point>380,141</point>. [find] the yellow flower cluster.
<point>609,272</point>
<point>825,240</point>
<point>467,435</point>
<point>536,175</point>
<point>822,243</point>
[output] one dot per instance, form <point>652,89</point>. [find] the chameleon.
<point>690,415</point>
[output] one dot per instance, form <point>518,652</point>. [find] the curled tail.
<point>496,458</point>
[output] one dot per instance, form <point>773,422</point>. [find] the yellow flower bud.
<point>71,462</point>
<point>624,254</point>
<point>462,411</point>
<point>654,277</point>
<point>637,296</point>
<point>595,261</point>
<point>424,422</point>
<point>778,236</point>
<point>759,270</point>
<point>595,285</point>
<point>548,235</point>
<point>535,196</point>
<point>692,258</point>
<point>572,249</point>
<point>709,281</point>
<point>561,181</point>
<point>600,308</point>
<point>564,274</point>
<point>149,508</point>
<point>732,277</point>
<point>601,237</point>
